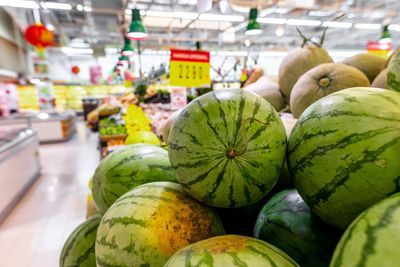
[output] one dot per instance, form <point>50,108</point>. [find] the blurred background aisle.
<point>33,234</point>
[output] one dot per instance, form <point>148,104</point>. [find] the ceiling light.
<point>394,27</point>
<point>223,6</point>
<point>367,26</point>
<point>175,14</point>
<point>337,24</point>
<point>253,28</point>
<point>303,22</point>
<point>79,7</point>
<point>128,12</point>
<point>321,13</point>
<point>137,31</point>
<point>217,17</point>
<point>72,50</point>
<point>87,9</point>
<point>272,20</point>
<point>19,3</point>
<point>247,43</point>
<point>280,32</point>
<point>56,5</point>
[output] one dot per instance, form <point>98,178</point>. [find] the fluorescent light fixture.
<point>272,20</point>
<point>79,7</point>
<point>19,3</point>
<point>367,26</point>
<point>321,13</point>
<point>394,27</point>
<point>304,22</point>
<point>87,9</point>
<point>111,50</point>
<point>218,17</point>
<point>229,53</point>
<point>174,14</point>
<point>55,5</point>
<point>337,24</point>
<point>76,51</point>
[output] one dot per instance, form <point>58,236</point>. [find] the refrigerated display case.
<point>50,126</point>
<point>19,166</point>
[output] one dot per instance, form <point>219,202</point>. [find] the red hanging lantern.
<point>38,35</point>
<point>75,70</point>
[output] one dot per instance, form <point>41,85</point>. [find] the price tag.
<point>190,68</point>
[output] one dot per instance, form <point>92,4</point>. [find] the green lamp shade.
<point>253,28</point>
<point>137,31</point>
<point>123,58</point>
<point>127,50</point>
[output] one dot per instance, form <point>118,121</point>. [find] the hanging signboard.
<point>190,68</point>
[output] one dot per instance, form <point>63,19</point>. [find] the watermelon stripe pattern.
<point>150,223</point>
<point>288,223</point>
<point>79,249</point>
<point>231,250</point>
<point>373,238</point>
<point>343,152</point>
<point>126,168</point>
<point>227,148</point>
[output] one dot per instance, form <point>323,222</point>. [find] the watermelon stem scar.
<point>231,153</point>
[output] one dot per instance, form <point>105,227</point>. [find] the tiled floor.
<point>33,234</point>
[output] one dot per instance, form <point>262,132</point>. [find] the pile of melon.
<point>241,185</point>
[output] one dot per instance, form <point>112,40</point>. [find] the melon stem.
<point>324,82</point>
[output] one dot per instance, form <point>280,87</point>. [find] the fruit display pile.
<point>240,184</point>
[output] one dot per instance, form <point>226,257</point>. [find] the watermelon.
<point>287,223</point>
<point>228,148</point>
<point>147,225</point>
<point>344,152</point>
<point>230,250</point>
<point>126,168</point>
<point>373,239</point>
<point>78,250</point>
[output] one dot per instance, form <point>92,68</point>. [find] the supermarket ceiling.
<point>177,22</point>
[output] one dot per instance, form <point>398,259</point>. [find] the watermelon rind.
<point>231,250</point>
<point>126,168</point>
<point>147,225</point>
<point>344,152</point>
<point>373,239</point>
<point>79,249</point>
<point>288,223</point>
<point>228,148</point>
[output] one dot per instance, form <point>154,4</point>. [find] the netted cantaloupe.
<point>269,91</point>
<point>381,80</point>
<point>370,65</point>
<point>321,81</point>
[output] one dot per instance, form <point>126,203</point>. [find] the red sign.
<point>190,56</point>
<point>376,45</point>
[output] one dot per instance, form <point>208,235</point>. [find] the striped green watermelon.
<point>373,239</point>
<point>78,250</point>
<point>344,152</point>
<point>228,148</point>
<point>230,250</point>
<point>126,168</point>
<point>147,225</point>
<point>287,223</point>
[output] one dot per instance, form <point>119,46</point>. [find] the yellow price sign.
<point>190,68</point>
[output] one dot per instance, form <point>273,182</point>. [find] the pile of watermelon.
<point>237,186</point>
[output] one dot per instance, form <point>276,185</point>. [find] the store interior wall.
<point>12,45</point>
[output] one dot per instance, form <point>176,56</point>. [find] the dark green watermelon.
<point>127,168</point>
<point>78,250</point>
<point>287,223</point>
